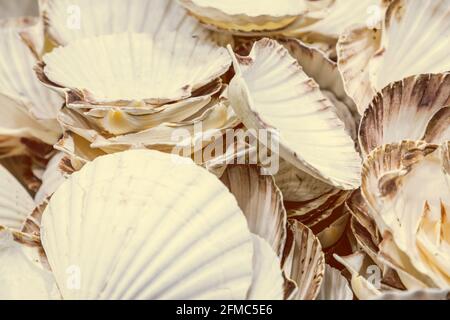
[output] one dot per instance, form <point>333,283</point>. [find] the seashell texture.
<point>22,277</point>
<point>404,110</point>
<point>111,78</point>
<point>231,150</point>
<point>332,21</point>
<point>139,102</point>
<point>402,46</point>
<point>304,262</point>
<point>207,233</point>
<point>246,16</point>
<point>29,108</point>
<point>71,20</point>
<point>15,202</point>
<point>266,96</point>
<point>413,224</point>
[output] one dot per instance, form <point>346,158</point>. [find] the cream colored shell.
<point>145,244</point>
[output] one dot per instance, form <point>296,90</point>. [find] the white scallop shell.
<point>15,202</point>
<point>355,48</point>
<point>117,226</point>
<point>31,107</point>
<point>271,92</point>
<point>326,74</point>
<point>136,67</point>
<point>332,21</point>
<point>410,29</point>
<point>71,20</point>
<point>403,110</point>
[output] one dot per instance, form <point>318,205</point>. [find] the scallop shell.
<point>304,262</point>
<point>403,110</point>
<point>246,16</point>
<point>71,20</point>
<point>326,74</point>
<point>135,67</point>
<point>410,29</point>
<point>21,275</point>
<point>30,108</point>
<point>391,176</point>
<point>332,21</point>
<point>334,286</point>
<point>355,48</point>
<point>208,248</point>
<point>139,116</point>
<point>309,130</point>
<point>261,201</point>
<point>15,202</point>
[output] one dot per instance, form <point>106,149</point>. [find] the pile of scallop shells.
<point>95,96</point>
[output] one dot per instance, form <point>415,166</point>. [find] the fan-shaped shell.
<point>326,74</point>
<point>403,110</point>
<point>410,29</point>
<point>30,108</point>
<point>117,224</point>
<point>355,48</point>
<point>136,67</point>
<point>271,92</point>
<point>71,20</point>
